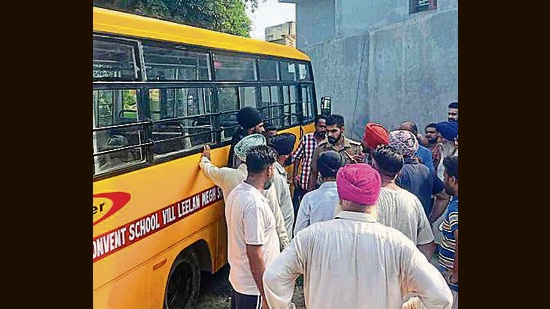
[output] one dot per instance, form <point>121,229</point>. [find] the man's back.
<point>403,211</point>
<point>353,261</point>
<point>317,206</point>
<point>417,179</point>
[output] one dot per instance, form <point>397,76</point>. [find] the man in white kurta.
<point>353,261</point>
<point>397,207</point>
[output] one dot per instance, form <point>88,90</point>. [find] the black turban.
<point>329,162</point>
<point>283,143</point>
<point>249,117</point>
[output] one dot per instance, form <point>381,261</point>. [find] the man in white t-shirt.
<point>252,237</point>
<point>397,207</point>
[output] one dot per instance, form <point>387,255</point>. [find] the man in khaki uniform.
<point>351,150</point>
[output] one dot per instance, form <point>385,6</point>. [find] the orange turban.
<point>375,134</point>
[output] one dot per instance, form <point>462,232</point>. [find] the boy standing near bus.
<point>252,238</point>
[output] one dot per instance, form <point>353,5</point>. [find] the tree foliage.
<point>227,16</point>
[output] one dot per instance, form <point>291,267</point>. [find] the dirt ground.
<point>216,291</point>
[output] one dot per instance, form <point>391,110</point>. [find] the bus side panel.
<point>144,287</point>
<point>153,189</point>
<point>221,256</point>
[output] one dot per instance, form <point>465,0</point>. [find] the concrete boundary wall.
<point>406,70</point>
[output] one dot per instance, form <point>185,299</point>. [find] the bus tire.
<point>184,280</point>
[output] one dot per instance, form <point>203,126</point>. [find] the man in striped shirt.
<point>448,254</point>
<point>303,154</point>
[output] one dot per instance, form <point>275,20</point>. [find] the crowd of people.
<point>370,223</point>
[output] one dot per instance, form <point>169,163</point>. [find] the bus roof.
<point>138,26</point>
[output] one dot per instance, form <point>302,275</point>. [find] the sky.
<point>270,13</point>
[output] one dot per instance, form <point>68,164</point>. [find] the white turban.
<point>249,141</point>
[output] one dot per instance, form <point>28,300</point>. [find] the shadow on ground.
<point>216,291</point>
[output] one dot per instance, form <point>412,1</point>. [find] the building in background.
<point>282,34</point>
<point>382,61</point>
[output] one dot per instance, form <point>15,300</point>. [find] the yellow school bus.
<point>161,91</point>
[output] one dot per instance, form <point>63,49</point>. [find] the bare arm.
<point>440,204</point>
<point>425,236</point>
<point>427,249</point>
<point>257,267</point>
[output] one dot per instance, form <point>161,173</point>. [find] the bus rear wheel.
<point>184,280</point>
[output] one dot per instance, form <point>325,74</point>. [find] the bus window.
<point>268,69</point>
<point>307,102</point>
<point>288,71</point>
<point>114,60</point>
<point>175,63</point>
<point>270,105</point>
<point>247,96</point>
<point>290,100</point>
<point>236,68</point>
<point>111,109</point>
<point>277,106</point>
<point>228,106</point>
<point>176,126</point>
<point>303,72</point>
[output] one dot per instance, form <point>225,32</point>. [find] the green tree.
<point>227,16</point>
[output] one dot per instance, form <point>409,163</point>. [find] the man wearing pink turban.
<point>341,258</point>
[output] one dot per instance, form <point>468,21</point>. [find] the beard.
<point>447,148</point>
<point>333,140</point>
<point>449,190</point>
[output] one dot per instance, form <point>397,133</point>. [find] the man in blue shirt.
<point>423,153</point>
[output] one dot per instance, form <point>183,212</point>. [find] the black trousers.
<point>242,301</point>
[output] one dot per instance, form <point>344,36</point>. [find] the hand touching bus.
<point>206,152</point>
